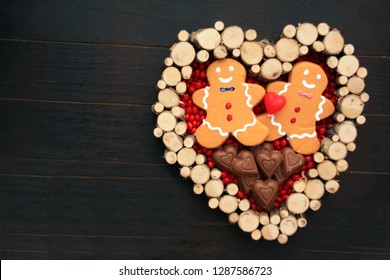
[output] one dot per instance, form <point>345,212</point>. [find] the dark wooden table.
<point>81,175</point>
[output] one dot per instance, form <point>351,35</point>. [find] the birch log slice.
<point>270,232</point>
<point>233,37</point>
<point>214,188</point>
<point>183,54</point>
<point>166,121</point>
<point>289,225</point>
<point>172,141</point>
<point>297,203</point>
<point>333,42</point>
<point>200,174</point>
<point>314,189</point>
<point>348,65</point>
<point>251,53</point>
<point>171,76</point>
<point>248,221</point>
<point>207,39</point>
<point>356,85</point>
<point>346,131</point>
<point>326,170</point>
<point>186,156</point>
<point>307,33</point>
<point>287,50</point>
<point>168,98</point>
<point>228,204</point>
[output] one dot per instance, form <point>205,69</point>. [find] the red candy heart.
<point>273,102</point>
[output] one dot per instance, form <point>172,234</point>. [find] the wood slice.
<point>219,25</point>
<point>244,205</point>
<point>315,205</point>
<point>255,70</point>
<point>256,234</point>
<point>314,189</point>
<point>356,85</point>
<point>202,56</point>
<point>214,187</point>
<point>283,211</point>
<point>346,131</point>
<point>333,42</point>
<point>332,186</point>
<point>213,203</point>
<point>220,52</point>
<point>185,172</point>
<point>198,189</point>
<point>312,173</point>
<point>286,67</point>
<point>236,53</point>
<point>228,204</point>
<point>297,203</point>
<point>181,128</point>
<point>172,141</point>
<point>301,221</point>
<point>341,80</point>
<point>181,88</point>
<point>351,147</point>
<point>299,186</point>
<point>248,221</point>
<point>342,91</point>
<point>270,232</point>
<point>307,33</point>
<point>323,28</point>
<point>186,156</point>
<point>332,135</point>
<point>207,39</point>
<point>338,117</point>
<point>251,53</point>
<point>289,31</point>
<point>342,165</point>
<point>200,174</point>
<point>161,84</point>
<point>348,49</point>
<point>157,108</point>
<point>274,217</point>
<point>318,46</point>
<point>364,96</point>
<point>200,159</point>
<point>332,62</point>
<point>171,76</point>
<point>166,121</point>
<point>264,218</point>
<point>360,120</point>
<point>183,36</point>
<point>178,112</point>
<point>250,35</point>
<point>318,157</point>
<point>362,72</point>
<point>232,189</point>
<point>189,141</point>
<point>158,132</point>
<point>170,157</point>
<point>215,173</point>
<point>289,225</point>
<point>269,50</point>
<point>271,69</point>
<point>348,65</point>
<point>303,50</point>
<point>186,72</point>
<point>351,106</point>
<point>334,150</point>
<point>282,238</point>
<point>233,218</point>
<point>232,37</point>
<point>326,170</point>
<point>287,50</point>
<point>168,61</point>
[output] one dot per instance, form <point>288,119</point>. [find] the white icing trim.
<point>245,127</point>
<point>225,81</point>
<point>277,124</point>
<point>215,128</point>
<point>303,135</point>
<point>285,89</point>
<point>249,98</point>
<point>205,105</point>
<point>320,109</point>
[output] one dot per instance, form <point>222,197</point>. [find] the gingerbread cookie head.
<point>226,72</point>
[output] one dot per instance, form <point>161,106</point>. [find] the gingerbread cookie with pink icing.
<point>304,106</point>
<point>228,102</point>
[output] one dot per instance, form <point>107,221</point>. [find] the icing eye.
<point>218,70</point>
<point>306,72</point>
<point>318,77</point>
<point>231,68</point>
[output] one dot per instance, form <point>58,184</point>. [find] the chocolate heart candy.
<point>264,193</point>
<point>280,176</point>
<point>245,182</point>
<point>292,162</point>
<point>269,161</point>
<point>224,157</point>
<point>266,146</point>
<point>244,164</point>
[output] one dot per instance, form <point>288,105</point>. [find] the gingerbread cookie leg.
<point>273,132</point>
<point>252,135</point>
<point>210,138</point>
<point>305,146</point>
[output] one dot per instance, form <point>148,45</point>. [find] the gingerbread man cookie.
<point>228,102</point>
<point>304,106</point>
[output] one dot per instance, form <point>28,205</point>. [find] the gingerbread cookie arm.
<point>325,109</point>
<point>277,87</point>
<point>199,97</point>
<point>257,93</point>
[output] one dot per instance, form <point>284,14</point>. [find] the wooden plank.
<point>137,22</point>
<point>84,218</point>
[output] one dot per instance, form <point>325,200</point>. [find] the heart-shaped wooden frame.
<point>178,119</point>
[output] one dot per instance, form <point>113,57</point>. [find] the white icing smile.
<point>307,85</point>
<point>225,81</point>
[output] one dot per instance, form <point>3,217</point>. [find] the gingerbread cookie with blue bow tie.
<point>305,105</point>
<point>228,102</point>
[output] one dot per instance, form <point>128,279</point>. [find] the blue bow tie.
<point>223,89</point>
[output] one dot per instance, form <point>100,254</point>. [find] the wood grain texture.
<point>81,175</point>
